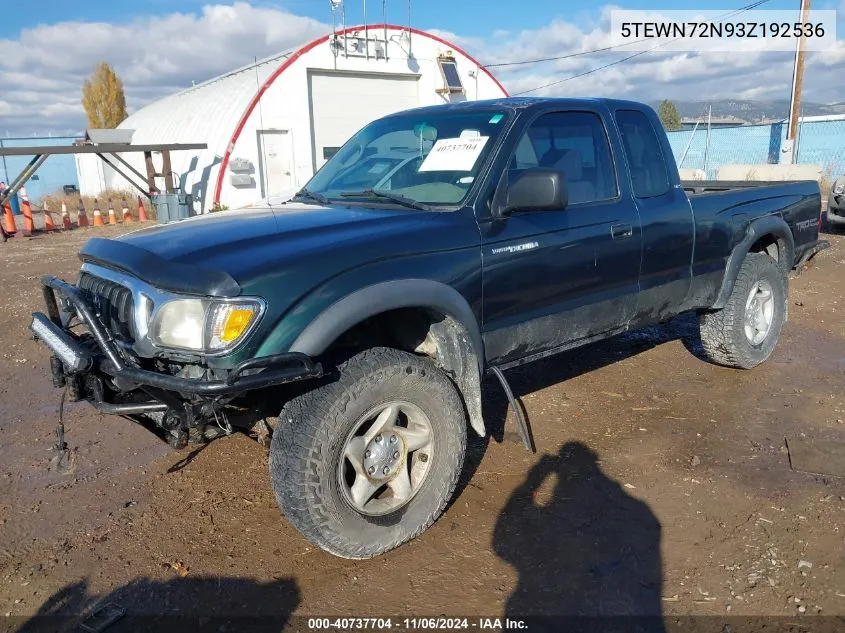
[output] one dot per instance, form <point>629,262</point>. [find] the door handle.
<point>621,231</point>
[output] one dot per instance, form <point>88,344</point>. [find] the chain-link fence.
<point>820,142</point>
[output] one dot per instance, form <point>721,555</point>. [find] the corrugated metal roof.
<point>204,113</point>
<point>208,108</point>
<point>274,60</point>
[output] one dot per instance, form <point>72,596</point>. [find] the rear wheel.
<point>744,333</point>
<point>367,462</point>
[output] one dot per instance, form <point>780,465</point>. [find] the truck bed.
<point>797,201</point>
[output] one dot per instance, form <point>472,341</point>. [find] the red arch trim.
<point>299,53</point>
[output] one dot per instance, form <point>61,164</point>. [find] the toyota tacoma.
<point>355,322</point>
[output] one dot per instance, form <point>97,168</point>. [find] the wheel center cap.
<point>383,456</point>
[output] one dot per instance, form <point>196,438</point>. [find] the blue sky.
<point>48,48</point>
<point>473,18</point>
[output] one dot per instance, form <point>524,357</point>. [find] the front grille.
<point>112,303</point>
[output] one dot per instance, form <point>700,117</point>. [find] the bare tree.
<point>103,98</point>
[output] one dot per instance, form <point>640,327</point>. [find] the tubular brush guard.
<point>273,370</point>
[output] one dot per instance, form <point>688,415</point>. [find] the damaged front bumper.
<point>95,362</point>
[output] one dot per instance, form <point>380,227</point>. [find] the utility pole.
<point>366,32</point>
<point>707,143</point>
<point>789,155</point>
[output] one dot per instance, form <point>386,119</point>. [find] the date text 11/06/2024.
<point>431,624</point>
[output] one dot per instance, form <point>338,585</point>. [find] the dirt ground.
<point>661,484</point>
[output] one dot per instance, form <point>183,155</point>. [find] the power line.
<point>749,7</point>
<point>559,57</point>
<point>587,72</point>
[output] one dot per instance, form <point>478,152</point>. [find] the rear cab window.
<point>646,162</point>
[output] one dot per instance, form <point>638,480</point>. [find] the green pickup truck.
<point>358,319</point>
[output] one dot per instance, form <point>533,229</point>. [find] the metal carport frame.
<point>40,154</point>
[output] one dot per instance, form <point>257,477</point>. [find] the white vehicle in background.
<point>836,203</point>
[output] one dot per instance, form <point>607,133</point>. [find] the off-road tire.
<point>309,438</point>
<point>722,331</point>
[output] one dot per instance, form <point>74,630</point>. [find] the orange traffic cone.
<point>66,225</point>
<point>26,209</point>
<point>10,218</point>
<point>49,225</point>
<point>98,217</point>
<point>112,216</point>
<point>127,216</point>
<point>81,216</point>
<point>142,212</point>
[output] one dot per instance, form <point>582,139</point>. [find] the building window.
<point>451,78</point>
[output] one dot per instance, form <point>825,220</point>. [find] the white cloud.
<point>653,75</point>
<point>835,57</point>
<point>44,67</point>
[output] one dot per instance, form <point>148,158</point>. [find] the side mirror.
<point>536,189</point>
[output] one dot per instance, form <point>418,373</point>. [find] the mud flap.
<point>521,422</point>
<point>811,252</point>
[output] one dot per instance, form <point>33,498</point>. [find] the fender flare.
<point>405,293</point>
<point>770,225</point>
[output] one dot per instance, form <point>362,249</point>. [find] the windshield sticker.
<point>496,118</point>
<point>454,154</point>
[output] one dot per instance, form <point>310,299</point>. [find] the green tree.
<point>669,115</point>
<point>103,98</point>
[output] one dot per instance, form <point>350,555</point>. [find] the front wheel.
<point>367,462</point>
<point>744,333</point>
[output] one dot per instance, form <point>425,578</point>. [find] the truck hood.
<point>205,238</point>
<point>250,246</point>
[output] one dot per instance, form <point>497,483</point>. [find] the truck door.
<point>666,217</point>
<point>553,278</point>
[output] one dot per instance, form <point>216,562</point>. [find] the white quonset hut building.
<point>269,126</point>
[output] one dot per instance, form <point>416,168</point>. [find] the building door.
<point>341,103</point>
<point>275,152</point>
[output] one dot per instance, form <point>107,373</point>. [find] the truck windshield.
<point>421,160</point>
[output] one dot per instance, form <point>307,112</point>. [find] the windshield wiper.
<point>304,193</point>
<point>393,197</point>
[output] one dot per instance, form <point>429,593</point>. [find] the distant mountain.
<point>835,108</point>
<point>751,111</point>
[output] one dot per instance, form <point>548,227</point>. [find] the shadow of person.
<point>208,603</point>
<point>584,549</point>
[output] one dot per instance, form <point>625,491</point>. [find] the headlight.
<point>203,325</point>
<point>839,188</point>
